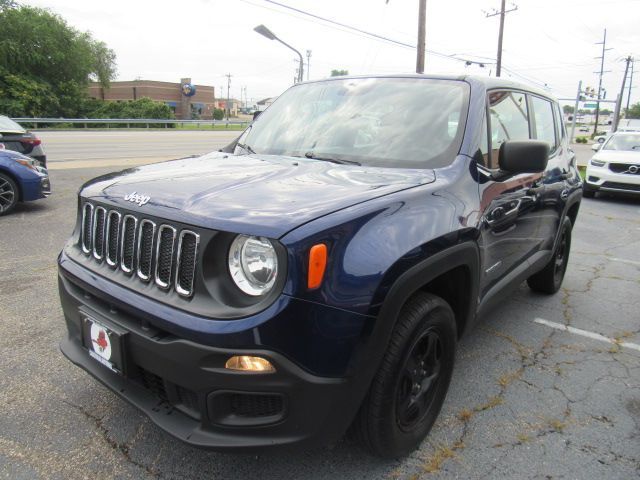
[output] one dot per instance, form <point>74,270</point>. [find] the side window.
<point>562,133</point>
<point>484,143</point>
<point>509,120</point>
<point>543,117</point>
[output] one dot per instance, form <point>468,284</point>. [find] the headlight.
<point>253,264</point>
<point>597,163</point>
<point>29,163</point>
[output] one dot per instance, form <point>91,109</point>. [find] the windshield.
<point>387,122</point>
<point>623,143</point>
<point>6,124</point>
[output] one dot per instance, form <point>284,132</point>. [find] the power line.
<point>349,27</point>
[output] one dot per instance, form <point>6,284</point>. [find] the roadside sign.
<point>590,105</point>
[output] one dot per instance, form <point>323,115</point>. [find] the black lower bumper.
<point>184,388</point>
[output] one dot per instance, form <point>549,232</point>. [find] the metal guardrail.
<point>129,121</point>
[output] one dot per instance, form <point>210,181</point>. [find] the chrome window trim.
<point>85,249</point>
<point>141,275</point>
<point>112,262</point>
<point>160,283</point>
<point>123,267</point>
<point>94,232</point>
<point>181,291</point>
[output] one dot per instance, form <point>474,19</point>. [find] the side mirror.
<point>596,146</point>
<point>523,156</point>
<point>256,114</point>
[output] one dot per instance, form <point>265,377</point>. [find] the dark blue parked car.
<point>21,180</point>
<point>318,272</point>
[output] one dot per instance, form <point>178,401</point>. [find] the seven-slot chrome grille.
<point>159,253</point>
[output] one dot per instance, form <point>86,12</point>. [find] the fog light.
<point>247,363</point>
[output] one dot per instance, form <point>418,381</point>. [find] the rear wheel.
<point>8,194</point>
<point>408,391</point>
<point>549,279</point>
<point>588,192</point>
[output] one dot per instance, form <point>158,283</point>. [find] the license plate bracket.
<point>104,341</point>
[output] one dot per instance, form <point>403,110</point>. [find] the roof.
<point>487,82</point>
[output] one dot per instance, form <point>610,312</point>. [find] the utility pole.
<point>228,109</point>
<point>575,111</point>
<point>308,62</point>
<point>502,12</point>
<point>616,115</point>
<point>422,34</point>
<point>626,110</point>
<point>604,49</point>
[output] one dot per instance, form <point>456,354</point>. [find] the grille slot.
<point>187,253</point>
<point>145,248</point>
<point>128,243</point>
<point>164,255</point>
<point>87,221</point>
<point>113,236</point>
<point>99,217</point>
<point>256,405</point>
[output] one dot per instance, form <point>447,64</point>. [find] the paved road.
<point>80,149</point>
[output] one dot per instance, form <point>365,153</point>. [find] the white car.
<point>616,165</point>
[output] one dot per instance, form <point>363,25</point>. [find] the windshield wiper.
<point>245,147</point>
<point>341,161</point>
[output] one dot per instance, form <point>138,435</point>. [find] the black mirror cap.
<point>256,114</point>
<point>523,156</point>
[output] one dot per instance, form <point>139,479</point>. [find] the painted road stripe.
<point>585,333</point>
<point>622,260</point>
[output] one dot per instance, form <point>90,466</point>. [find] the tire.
<point>549,279</point>
<point>396,414</point>
<point>588,192</point>
<point>8,194</point>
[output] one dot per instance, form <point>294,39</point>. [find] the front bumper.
<point>603,179</point>
<point>183,387</point>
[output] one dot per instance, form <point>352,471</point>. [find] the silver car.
<point>16,138</point>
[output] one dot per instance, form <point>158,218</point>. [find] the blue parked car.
<point>21,180</point>
<point>318,272</point>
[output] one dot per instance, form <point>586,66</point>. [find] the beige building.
<point>200,105</point>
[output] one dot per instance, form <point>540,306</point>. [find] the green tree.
<point>141,108</point>
<point>339,73</point>
<point>634,111</point>
<point>40,52</point>
<point>568,109</point>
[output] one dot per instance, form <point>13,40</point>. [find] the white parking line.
<point>622,260</point>
<point>585,333</point>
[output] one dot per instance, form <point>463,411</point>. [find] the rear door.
<point>510,204</point>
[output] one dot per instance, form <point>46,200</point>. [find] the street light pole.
<point>265,32</point>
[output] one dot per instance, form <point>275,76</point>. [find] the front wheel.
<point>409,389</point>
<point>8,194</point>
<point>549,279</point>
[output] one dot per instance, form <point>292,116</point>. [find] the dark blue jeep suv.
<point>317,273</point>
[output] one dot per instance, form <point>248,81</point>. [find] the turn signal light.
<point>246,363</point>
<point>317,265</point>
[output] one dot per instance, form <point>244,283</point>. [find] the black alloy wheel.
<point>409,388</point>
<point>8,194</point>
<point>419,379</point>
<point>549,279</point>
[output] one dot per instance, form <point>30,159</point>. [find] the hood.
<point>618,156</point>
<point>262,195</point>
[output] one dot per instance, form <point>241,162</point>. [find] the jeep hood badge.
<point>136,198</point>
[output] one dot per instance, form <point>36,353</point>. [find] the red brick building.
<point>200,105</point>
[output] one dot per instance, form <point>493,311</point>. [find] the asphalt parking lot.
<point>544,387</point>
